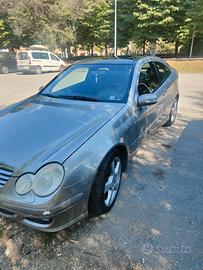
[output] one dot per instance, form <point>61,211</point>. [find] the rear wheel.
<point>106,186</point>
<point>173,114</point>
<point>5,70</point>
<point>38,70</point>
<point>61,69</point>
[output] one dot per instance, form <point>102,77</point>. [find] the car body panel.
<point>8,60</point>
<point>45,125</point>
<point>77,134</point>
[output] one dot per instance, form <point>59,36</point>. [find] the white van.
<point>38,62</point>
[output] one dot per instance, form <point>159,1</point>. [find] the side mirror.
<point>147,99</point>
<point>41,88</point>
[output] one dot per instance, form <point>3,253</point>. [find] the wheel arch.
<point>121,147</point>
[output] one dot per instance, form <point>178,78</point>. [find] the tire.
<point>173,114</point>
<point>4,70</point>
<point>61,69</point>
<point>38,70</point>
<point>106,185</point>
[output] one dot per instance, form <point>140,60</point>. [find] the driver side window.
<point>148,80</point>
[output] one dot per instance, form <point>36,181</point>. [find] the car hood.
<point>33,131</point>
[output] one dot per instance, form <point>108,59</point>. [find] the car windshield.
<point>93,82</point>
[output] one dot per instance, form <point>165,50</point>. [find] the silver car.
<point>63,151</point>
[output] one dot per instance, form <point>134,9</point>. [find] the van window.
<point>40,55</point>
<point>23,56</point>
<point>53,57</point>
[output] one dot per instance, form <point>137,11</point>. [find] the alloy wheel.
<point>113,182</point>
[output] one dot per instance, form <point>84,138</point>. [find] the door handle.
<point>164,92</point>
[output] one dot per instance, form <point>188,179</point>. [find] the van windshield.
<point>23,56</point>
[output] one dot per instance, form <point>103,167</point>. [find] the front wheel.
<point>61,69</point>
<point>5,70</point>
<point>173,114</point>
<point>106,186</point>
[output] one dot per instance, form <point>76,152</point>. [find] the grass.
<point>187,66</point>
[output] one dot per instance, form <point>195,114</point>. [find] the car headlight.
<point>43,183</point>
<point>24,184</point>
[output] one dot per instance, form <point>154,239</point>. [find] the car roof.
<point>110,61</point>
<point>38,51</point>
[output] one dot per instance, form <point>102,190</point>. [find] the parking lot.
<point>157,220</point>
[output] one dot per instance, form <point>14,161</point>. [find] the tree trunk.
<point>144,47</point>
<point>106,50</point>
<point>92,49</point>
<point>68,50</point>
<point>176,47</point>
<point>154,48</point>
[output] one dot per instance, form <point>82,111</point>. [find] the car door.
<point>165,89</point>
<point>12,65</point>
<point>55,62</point>
<point>47,62</point>
<point>41,59</point>
<point>145,116</point>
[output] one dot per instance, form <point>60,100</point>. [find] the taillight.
<point>29,60</point>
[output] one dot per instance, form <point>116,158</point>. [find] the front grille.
<point>5,175</point>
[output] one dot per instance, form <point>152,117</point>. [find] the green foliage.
<point>63,23</point>
<point>31,21</point>
<point>94,23</point>
<point>4,34</point>
<point>195,16</point>
<point>126,22</point>
<point>7,37</point>
<point>158,19</point>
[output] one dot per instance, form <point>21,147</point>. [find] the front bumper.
<point>52,220</point>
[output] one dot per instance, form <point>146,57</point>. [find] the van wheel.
<point>5,70</point>
<point>106,185</point>
<point>38,70</point>
<point>61,69</point>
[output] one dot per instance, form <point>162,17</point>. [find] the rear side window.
<point>163,71</point>
<point>40,55</point>
<point>23,56</point>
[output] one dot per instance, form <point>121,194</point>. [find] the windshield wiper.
<point>84,98</point>
<point>79,98</point>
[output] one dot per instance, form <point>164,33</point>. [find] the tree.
<point>126,22</point>
<point>7,37</point>
<point>31,21</point>
<point>67,16</point>
<point>156,19</point>
<point>94,24</point>
<point>195,21</point>
<point>49,22</point>
<point>195,15</point>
